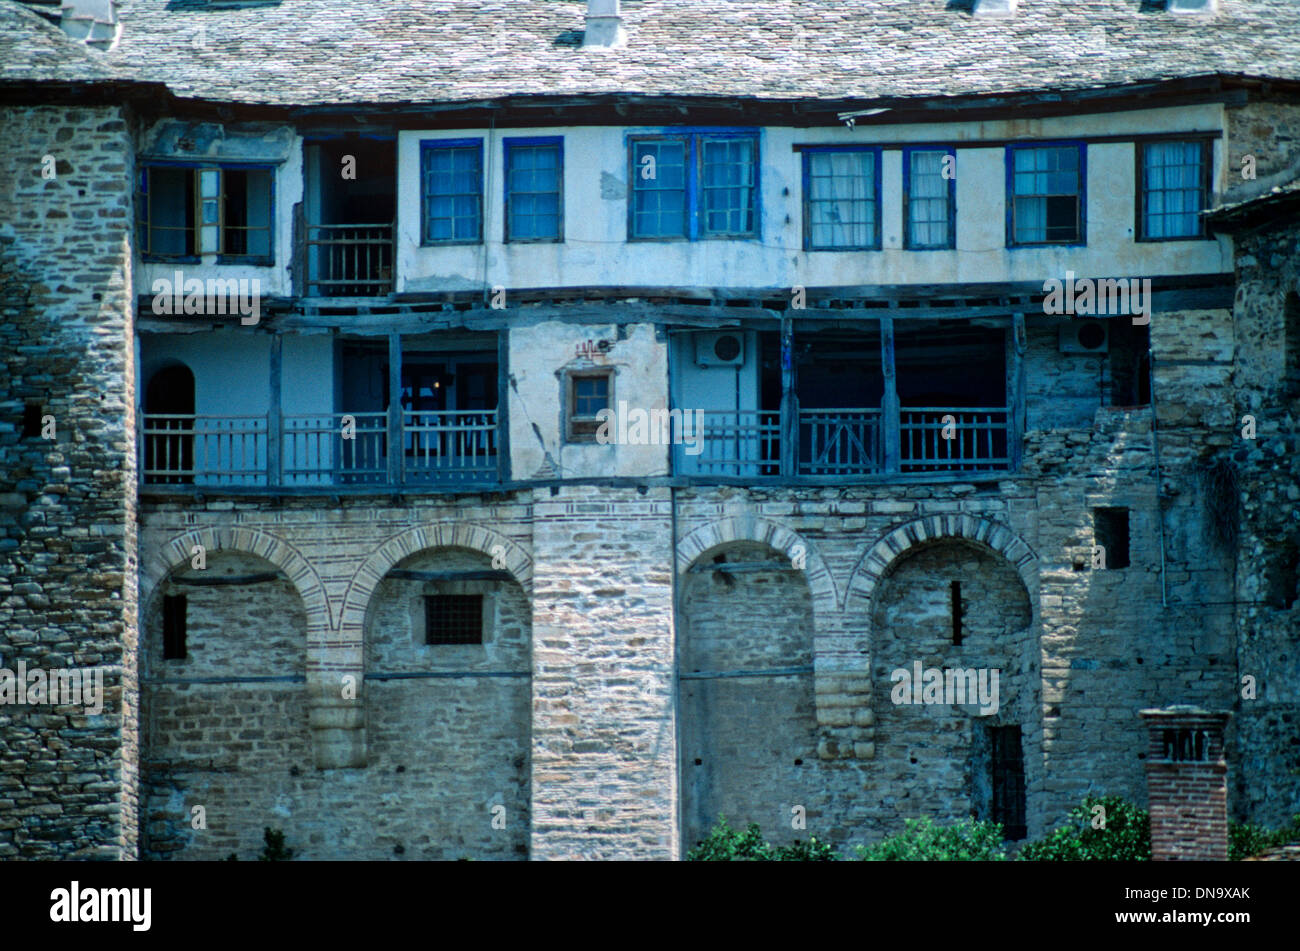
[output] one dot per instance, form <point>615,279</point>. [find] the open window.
<point>185,211</point>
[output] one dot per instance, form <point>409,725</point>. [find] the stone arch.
<point>438,535</point>
<point>748,528</point>
<point>158,563</point>
<point>981,532</point>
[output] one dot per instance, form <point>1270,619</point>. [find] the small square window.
<point>1111,535</point>
<point>1045,195</point>
<point>589,393</point>
<point>453,619</point>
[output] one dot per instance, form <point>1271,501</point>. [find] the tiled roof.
<point>392,51</point>
<point>33,48</point>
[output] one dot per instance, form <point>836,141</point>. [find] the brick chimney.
<point>92,21</point>
<point>1187,784</point>
<point>604,25</point>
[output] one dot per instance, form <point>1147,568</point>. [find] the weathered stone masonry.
<point>68,583</point>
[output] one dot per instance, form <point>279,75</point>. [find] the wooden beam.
<point>396,447</point>
<point>404,574</point>
<point>743,567</point>
<point>889,405</point>
<point>1017,345</point>
<point>274,417</point>
<point>789,419</point>
<point>503,402</point>
<point>220,581</point>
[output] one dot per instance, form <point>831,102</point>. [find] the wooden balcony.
<point>442,448</point>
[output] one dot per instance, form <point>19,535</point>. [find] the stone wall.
<point>68,780</point>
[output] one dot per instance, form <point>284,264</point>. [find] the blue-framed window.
<point>451,191</point>
<point>1173,189</point>
<point>186,210</point>
<point>841,198</point>
<point>534,200</point>
<point>693,185</point>
<point>929,198</point>
<point>1045,194</point>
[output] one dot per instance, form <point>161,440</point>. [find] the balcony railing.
<point>851,442</point>
<point>330,449</point>
<point>349,260</point>
<point>954,440</point>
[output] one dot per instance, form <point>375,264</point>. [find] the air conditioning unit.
<point>720,349</point>
<point>1085,336</point>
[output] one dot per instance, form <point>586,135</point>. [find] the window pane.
<point>590,395</point>
<point>1045,197</point>
<point>659,189</point>
<point>842,205</point>
<point>453,193</point>
<point>169,199</point>
<point>927,201</point>
<point>533,174</point>
<point>1173,189</point>
<point>728,192</point>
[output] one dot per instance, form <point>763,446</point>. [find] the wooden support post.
<point>274,417</point>
<point>889,405</point>
<point>789,421</point>
<point>1016,415</point>
<point>139,413</point>
<point>503,403</point>
<point>396,443</point>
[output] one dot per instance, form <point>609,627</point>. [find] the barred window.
<point>453,619</point>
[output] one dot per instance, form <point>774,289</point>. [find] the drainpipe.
<point>1155,443</point>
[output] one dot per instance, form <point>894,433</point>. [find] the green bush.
<point>1247,840</point>
<point>273,851</point>
<point>1126,836</point>
<point>725,844</point>
<point>921,840</point>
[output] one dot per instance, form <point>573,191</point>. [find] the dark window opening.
<point>1282,577</point>
<point>954,594</point>
<point>453,619</point>
<point>1007,761</point>
<point>32,413</point>
<point>1291,319</point>
<point>184,212</point>
<point>169,426</point>
<point>1130,364</point>
<point>1111,533</point>
<point>174,611</point>
<point>1186,745</point>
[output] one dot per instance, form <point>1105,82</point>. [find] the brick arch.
<point>746,528</point>
<point>438,535</point>
<point>158,563</point>
<point>981,532</point>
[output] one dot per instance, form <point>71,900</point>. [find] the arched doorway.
<point>169,426</point>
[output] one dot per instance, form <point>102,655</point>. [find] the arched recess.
<point>336,671</point>
<point>981,532</point>
<point>158,563</point>
<point>744,528</point>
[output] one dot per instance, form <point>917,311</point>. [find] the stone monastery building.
<point>534,428</point>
